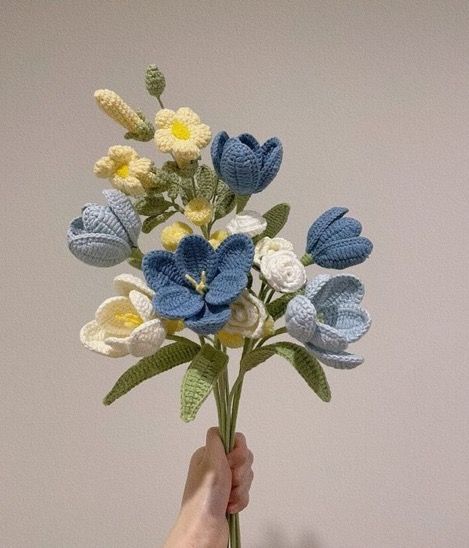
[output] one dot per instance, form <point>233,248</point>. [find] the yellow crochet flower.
<point>217,238</point>
<point>199,211</point>
<point>126,170</point>
<point>115,107</point>
<point>181,133</point>
<point>230,340</point>
<point>171,235</point>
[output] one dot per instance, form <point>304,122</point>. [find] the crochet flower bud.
<point>247,222</point>
<point>199,211</point>
<point>171,235</point>
<point>283,271</point>
<point>155,81</point>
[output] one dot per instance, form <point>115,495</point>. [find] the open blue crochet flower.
<point>244,165</point>
<point>334,241</point>
<point>328,317</point>
<point>105,235</point>
<point>197,283</point>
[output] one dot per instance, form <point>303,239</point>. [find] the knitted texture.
<point>328,317</point>
<point>104,235</point>
<point>198,283</point>
<point>334,241</point>
<point>199,211</point>
<point>154,81</point>
<point>244,165</point>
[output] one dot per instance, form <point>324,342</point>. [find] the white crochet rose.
<point>247,222</point>
<point>283,271</point>
<point>267,246</point>
<point>248,316</point>
<point>125,324</point>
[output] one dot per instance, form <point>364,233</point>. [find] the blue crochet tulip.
<point>328,317</point>
<point>334,241</point>
<point>244,165</point>
<point>197,283</point>
<point>105,235</point>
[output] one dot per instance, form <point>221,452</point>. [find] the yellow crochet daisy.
<point>199,211</point>
<point>126,170</point>
<point>181,133</point>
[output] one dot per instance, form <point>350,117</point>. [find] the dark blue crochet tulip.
<point>244,165</point>
<point>334,241</point>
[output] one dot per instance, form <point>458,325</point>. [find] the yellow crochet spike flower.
<point>171,235</point>
<point>199,211</point>
<point>181,133</point>
<point>217,238</point>
<point>126,170</point>
<point>230,340</point>
<point>115,107</point>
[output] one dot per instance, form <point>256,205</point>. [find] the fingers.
<point>239,497</point>
<point>240,461</point>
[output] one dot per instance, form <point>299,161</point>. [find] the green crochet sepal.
<point>277,218</point>
<point>165,359</point>
<point>199,379</point>
<point>241,202</point>
<point>145,131</point>
<point>306,364</point>
<point>135,259</point>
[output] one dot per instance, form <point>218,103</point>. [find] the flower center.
<point>320,317</point>
<point>180,130</point>
<point>129,319</point>
<point>123,171</point>
<point>201,287</point>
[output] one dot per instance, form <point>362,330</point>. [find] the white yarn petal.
<point>247,222</point>
<point>142,305</point>
<point>147,338</point>
<point>125,283</point>
<point>93,336</point>
<point>117,316</point>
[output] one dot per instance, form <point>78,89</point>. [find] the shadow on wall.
<point>276,538</point>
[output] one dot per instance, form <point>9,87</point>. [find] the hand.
<point>216,483</point>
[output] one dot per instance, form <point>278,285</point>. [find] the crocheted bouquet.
<point>216,284</point>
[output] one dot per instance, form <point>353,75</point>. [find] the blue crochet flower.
<point>244,165</point>
<point>197,283</point>
<point>328,317</point>
<point>334,241</point>
<point>105,235</point>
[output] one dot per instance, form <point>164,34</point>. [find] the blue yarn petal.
<point>125,212</point>
<point>272,151</point>
<point>195,255</point>
<point>216,150</point>
<point>342,229</point>
<point>340,290</point>
<point>344,253</point>
<point>321,223</point>
<point>350,320</point>
<point>98,249</point>
<point>300,318</point>
<point>209,320</point>
<point>240,167</point>
<point>100,219</point>
<point>328,338</point>
<point>236,253</point>
<point>159,269</point>
<point>176,301</point>
<point>226,287</point>
<point>338,360</point>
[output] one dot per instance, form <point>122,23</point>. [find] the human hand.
<point>216,483</point>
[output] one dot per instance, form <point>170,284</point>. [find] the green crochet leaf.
<point>207,181</point>
<point>225,200</point>
<point>135,259</point>
<point>152,222</point>
<point>199,379</point>
<point>153,204</point>
<point>306,364</point>
<point>276,219</point>
<point>166,358</point>
<point>277,308</point>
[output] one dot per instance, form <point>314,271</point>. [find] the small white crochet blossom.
<point>126,170</point>
<point>283,271</point>
<point>248,316</point>
<point>125,324</point>
<point>267,246</point>
<point>181,133</point>
<point>247,222</point>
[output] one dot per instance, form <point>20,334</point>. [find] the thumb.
<point>214,445</point>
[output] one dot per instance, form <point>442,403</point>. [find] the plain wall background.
<point>371,102</point>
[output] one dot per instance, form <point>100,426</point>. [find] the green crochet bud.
<point>154,81</point>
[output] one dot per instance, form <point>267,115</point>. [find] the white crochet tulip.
<point>267,246</point>
<point>247,222</point>
<point>248,316</point>
<point>283,271</point>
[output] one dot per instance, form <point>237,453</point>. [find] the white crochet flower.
<point>125,324</point>
<point>283,271</point>
<point>267,246</point>
<point>248,316</point>
<point>247,222</point>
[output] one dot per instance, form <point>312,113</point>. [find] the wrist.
<point>198,530</point>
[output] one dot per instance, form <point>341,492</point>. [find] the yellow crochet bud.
<point>199,211</point>
<point>230,340</point>
<point>173,326</point>
<point>171,235</point>
<point>217,238</point>
<point>115,107</point>
<point>269,327</point>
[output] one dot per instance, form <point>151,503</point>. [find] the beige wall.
<point>371,101</point>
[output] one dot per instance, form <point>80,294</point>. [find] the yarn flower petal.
<point>176,301</point>
<point>93,337</point>
<point>195,255</point>
<point>226,287</point>
<point>236,251</point>
<point>147,338</point>
<point>159,269</point>
<point>209,320</point>
<point>338,360</point>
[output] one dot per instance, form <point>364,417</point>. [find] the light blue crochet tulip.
<point>105,235</point>
<point>328,317</point>
<point>244,165</point>
<point>197,283</point>
<point>334,240</point>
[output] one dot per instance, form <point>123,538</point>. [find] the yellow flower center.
<point>129,319</point>
<point>180,130</point>
<point>123,171</point>
<point>201,287</point>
